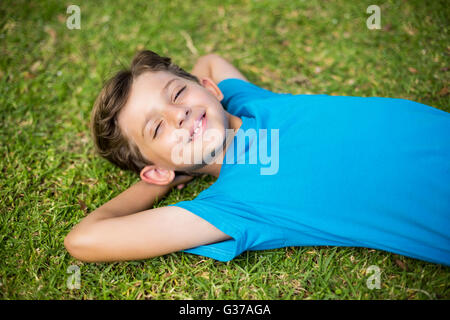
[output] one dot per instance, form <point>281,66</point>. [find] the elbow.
<point>79,246</point>
<point>209,56</point>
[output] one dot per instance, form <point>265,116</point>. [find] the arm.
<point>138,197</point>
<point>216,68</point>
<point>122,229</point>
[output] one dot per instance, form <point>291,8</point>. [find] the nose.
<point>180,116</point>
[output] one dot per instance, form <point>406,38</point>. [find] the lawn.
<point>51,177</point>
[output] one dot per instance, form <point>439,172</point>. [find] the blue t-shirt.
<point>330,171</point>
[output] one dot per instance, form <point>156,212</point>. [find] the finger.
<point>185,179</point>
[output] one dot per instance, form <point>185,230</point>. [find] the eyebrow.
<point>163,91</point>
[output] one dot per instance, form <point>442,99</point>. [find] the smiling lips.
<point>197,128</point>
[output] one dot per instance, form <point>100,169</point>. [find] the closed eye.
<point>179,92</point>
<point>156,131</point>
<point>157,128</point>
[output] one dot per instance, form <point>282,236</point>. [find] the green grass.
<point>50,75</point>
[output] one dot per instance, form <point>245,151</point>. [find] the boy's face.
<point>161,120</point>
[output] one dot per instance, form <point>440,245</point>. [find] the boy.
<point>344,171</point>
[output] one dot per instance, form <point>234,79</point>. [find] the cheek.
<point>213,137</point>
<point>176,136</point>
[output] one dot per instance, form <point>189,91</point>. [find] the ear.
<point>209,84</point>
<point>156,175</point>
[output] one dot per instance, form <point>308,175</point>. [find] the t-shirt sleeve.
<point>247,230</point>
<point>222,251</point>
<point>238,93</point>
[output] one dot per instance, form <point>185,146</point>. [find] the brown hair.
<point>109,141</point>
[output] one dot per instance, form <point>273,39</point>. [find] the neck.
<point>214,168</point>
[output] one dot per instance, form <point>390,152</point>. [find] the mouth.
<point>198,127</point>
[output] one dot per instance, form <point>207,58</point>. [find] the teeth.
<point>197,127</point>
